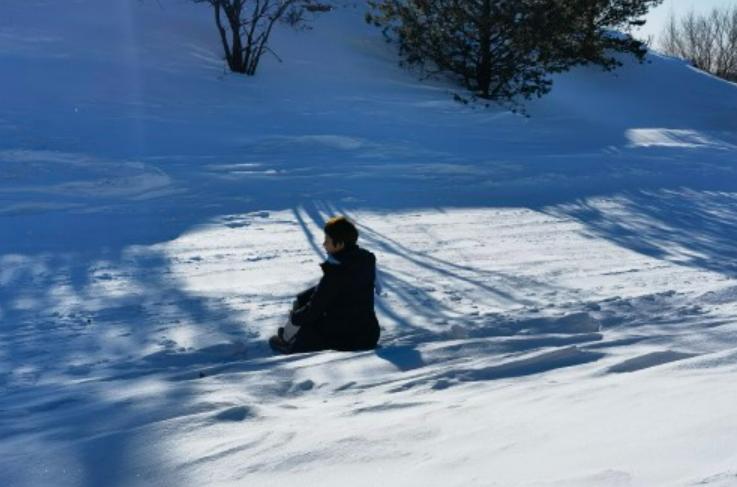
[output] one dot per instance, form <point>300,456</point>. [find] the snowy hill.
<point>559,299</point>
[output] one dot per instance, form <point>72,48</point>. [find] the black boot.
<point>278,344</point>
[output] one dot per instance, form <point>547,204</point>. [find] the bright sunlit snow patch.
<point>661,137</point>
<point>332,141</point>
<point>475,262</point>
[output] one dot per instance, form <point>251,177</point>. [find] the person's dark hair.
<point>340,229</point>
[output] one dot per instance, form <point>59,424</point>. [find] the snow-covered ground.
<point>559,292</point>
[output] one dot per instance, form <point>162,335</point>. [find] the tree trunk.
<point>217,6</point>
<point>234,19</point>
<point>483,66</point>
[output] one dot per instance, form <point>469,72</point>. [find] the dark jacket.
<point>338,313</point>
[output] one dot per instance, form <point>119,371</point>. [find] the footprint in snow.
<point>237,224</point>
<point>304,386</point>
<point>237,413</point>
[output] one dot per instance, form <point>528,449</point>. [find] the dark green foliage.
<point>507,49</point>
<point>590,35</point>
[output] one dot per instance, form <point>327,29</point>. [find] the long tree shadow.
<point>682,226</point>
<point>422,304</point>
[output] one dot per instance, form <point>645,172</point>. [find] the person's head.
<point>339,234</point>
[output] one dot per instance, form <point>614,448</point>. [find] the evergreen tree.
<point>506,49</point>
<point>599,29</point>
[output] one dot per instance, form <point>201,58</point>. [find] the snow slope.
<point>559,292</point>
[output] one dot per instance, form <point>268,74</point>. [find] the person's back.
<point>338,313</point>
<point>349,322</point>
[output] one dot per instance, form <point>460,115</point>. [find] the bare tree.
<point>245,27</point>
<point>707,41</point>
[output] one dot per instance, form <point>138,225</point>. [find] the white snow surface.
<point>559,291</point>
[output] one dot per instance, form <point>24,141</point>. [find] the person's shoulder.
<point>348,262</point>
<point>367,255</point>
<point>356,253</point>
<point>357,257</point>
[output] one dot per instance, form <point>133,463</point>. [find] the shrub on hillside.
<point>503,49</point>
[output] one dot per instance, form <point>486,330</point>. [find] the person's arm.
<point>323,295</point>
<point>303,298</point>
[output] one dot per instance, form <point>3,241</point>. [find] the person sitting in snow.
<point>338,313</point>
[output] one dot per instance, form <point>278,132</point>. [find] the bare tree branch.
<point>708,42</point>
<point>248,24</point>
